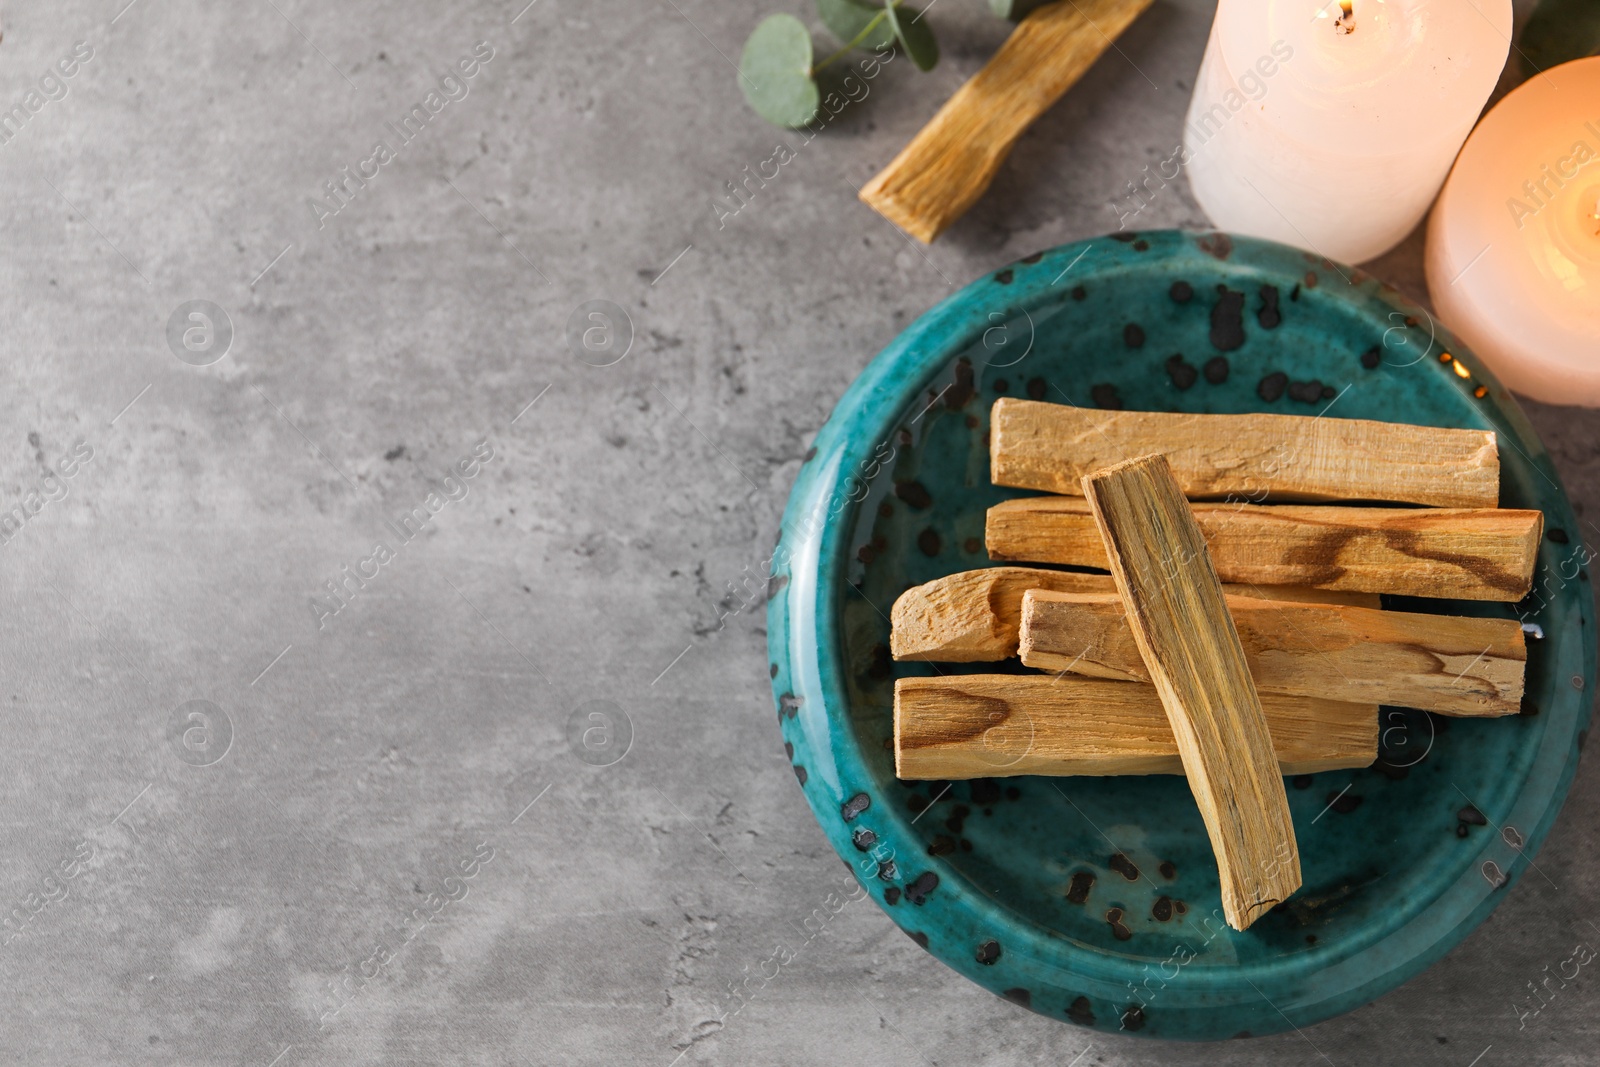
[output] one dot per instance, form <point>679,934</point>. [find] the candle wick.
<point>1346,22</point>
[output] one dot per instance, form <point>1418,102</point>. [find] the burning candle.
<point>1331,125</point>
<point>1513,254</point>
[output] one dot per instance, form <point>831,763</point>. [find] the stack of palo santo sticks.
<point>1238,636</point>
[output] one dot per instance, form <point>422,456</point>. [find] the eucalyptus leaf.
<point>1015,10</point>
<point>775,72</point>
<point>914,35</point>
<point>846,19</point>
<point>1559,31</point>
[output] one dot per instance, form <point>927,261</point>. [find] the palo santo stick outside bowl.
<point>1011,881</point>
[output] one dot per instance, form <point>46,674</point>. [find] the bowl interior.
<point>1085,886</point>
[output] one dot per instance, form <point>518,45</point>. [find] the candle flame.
<point>1346,21</point>
<point>1462,371</point>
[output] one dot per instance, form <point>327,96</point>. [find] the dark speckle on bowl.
<point>1557,534</point>
<point>989,952</point>
<point>1169,870</point>
<point>1133,335</point>
<point>1019,996</point>
<point>811,454</point>
<point>1301,781</point>
<point>891,895</point>
<point>1182,292</point>
<point>1182,372</point>
<point>918,936</point>
<point>984,790</point>
<point>1001,385</point>
<point>1161,910</point>
<point>800,773</point>
<point>928,542</point>
<point>1141,245</point>
<point>1271,387</point>
<point>971,546</point>
<point>1037,388</point>
<point>1080,1012</point>
<point>1125,236</point>
<point>1472,816</point>
<point>1079,293</point>
<point>962,390</point>
<point>1078,891</point>
<point>915,494</point>
<point>1004,277</point>
<point>855,806</point>
<point>919,890</point>
<point>1371,358</point>
<point>942,845</point>
<point>1034,258</point>
<point>1227,320</point>
<point>773,672</point>
<point>1218,245</point>
<point>1133,1017</point>
<point>788,749</point>
<point>1268,314</point>
<point>1344,803</point>
<point>887,870</point>
<point>1106,396</point>
<point>789,704</point>
<point>1118,929</point>
<point>1124,866</point>
<point>1217,370</point>
<point>864,839</point>
<point>1305,392</point>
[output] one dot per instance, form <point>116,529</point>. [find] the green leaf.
<point>1559,31</point>
<point>775,72</point>
<point>914,35</point>
<point>1015,10</point>
<point>846,19</point>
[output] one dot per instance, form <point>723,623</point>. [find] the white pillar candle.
<point>1330,125</point>
<point>1513,255</point>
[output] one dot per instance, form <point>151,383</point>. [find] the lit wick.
<point>1346,21</point>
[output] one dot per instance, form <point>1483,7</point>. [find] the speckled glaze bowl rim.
<point>805,650</point>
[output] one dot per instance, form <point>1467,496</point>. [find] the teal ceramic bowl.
<point>1095,901</point>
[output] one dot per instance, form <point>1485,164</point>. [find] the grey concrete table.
<point>248,822</point>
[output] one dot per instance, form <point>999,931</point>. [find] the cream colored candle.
<point>1514,243</point>
<point>1331,126</point>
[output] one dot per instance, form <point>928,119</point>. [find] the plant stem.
<point>862,36</point>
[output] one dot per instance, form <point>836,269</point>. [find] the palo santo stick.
<point>949,164</point>
<point>997,725</point>
<point>1472,554</point>
<point>1446,663</point>
<point>1180,621</point>
<point>976,616</point>
<point>1249,458</point>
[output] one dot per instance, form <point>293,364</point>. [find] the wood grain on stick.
<point>997,725</point>
<point>1467,553</point>
<point>1180,621</point>
<point>976,616</point>
<point>949,164</point>
<point>1450,664</point>
<point>1249,458</point>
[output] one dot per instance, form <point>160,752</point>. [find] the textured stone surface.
<point>212,907</point>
